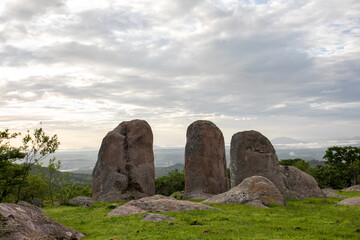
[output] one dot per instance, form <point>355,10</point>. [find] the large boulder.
<point>355,188</point>
<point>205,162</point>
<point>354,201</point>
<point>157,203</point>
<point>252,154</point>
<point>256,191</point>
<point>18,222</point>
<point>125,166</point>
<point>300,184</point>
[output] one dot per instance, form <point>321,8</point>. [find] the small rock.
<point>36,201</point>
<point>354,201</point>
<point>82,201</point>
<point>355,188</point>
<point>331,193</point>
<point>155,217</point>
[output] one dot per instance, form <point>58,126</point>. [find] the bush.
<point>173,182</point>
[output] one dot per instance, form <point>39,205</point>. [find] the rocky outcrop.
<point>82,201</point>
<point>252,154</point>
<point>205,162</point>
<point>157,203</point>
<point>17,222</point>
<point>354,201</point>
<point>300,184</point>
<point>355,188</point>
<point>154,217</point>
<point>256,191</point>
<point>125,166</point>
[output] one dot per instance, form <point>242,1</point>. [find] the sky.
<point>286,68</point>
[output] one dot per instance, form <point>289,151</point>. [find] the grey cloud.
<point>26,9</point>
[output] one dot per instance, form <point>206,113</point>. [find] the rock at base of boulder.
<point>354,201</point>
<point>255,191</point>
<point>36,201</point>
<point>331,193</point>
<point>299,184</point>
<point>17,222</point>
<point>355,188</point>
<point>157,203</point>
<point>154,217</point>
<point>82,201</point>
<point>32,207</point>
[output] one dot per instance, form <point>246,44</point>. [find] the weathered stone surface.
<point>82,201</point>
<point>331,192</point>
<point>300,184</point>
<point>17,222</point>
<point>157,203</point>
<point>256,191</point>
<point>355,188</point>
<point>125,166</point>
<point>154,217</point>
<point>32,207</point>
<point>252,154</point>
<point>354,201</point>
<point>205,162</point>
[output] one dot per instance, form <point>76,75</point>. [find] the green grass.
<point>306,219</point>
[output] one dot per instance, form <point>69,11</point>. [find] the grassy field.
<point>306,219</point>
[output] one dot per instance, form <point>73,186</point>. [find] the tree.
<point>344,160</point>
<point>17,162</point>
<point>9,171</point>
<point>35,146</point>
<point>297,162</point>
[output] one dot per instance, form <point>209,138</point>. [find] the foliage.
<point>10,173</point>
<point>301,219</point>
<point>327,176</point>
<point>171,183</point>
<point>297,162</point>
<point>344,160</point>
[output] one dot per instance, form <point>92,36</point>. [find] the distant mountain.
<point>163,171</point>
<point>285,140</point>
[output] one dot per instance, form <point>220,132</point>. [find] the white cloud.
<point>281,67</point>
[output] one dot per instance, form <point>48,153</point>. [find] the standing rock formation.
<point>205,162</point>
<point>252,154</point>
<point>125,166</point>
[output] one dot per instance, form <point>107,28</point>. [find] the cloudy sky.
<point>282,67</point>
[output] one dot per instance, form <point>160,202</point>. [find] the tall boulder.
<point>300,184</point>
<point>205,161</point>
<point>125,166</point>
<point>252,154</point>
